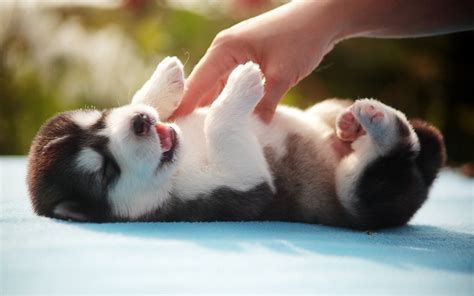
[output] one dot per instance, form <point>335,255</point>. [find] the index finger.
<point>203,82</point>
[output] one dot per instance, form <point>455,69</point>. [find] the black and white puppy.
<point>352,164</point>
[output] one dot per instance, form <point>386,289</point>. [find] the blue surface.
<point>434,254</point>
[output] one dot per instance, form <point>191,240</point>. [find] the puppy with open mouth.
<point>352,164</point>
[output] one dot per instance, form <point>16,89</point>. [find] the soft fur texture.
<point>355,164</point>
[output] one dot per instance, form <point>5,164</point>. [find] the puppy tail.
<point>432,156</point>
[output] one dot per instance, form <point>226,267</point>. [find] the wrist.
<point>392,18</point>
<point>338,20</point>
<point>366,18</point>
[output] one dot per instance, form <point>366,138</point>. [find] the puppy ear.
<point>70,210</point>
<point>432,154</point>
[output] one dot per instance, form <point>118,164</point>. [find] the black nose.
<point>141,124</point>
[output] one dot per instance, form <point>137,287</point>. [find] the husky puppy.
<point>351,164</point>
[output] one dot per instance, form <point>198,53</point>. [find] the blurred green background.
<point>55,57</point>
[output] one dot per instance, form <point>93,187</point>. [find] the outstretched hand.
<point>286,52</point>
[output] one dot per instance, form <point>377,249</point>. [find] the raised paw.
<point>170,70</point>
<point>372,115</point>
<point>244,88</point>
<point>165,87</point>
<point>370,112</point>
<point>348,128</point>
<point>383,127</point>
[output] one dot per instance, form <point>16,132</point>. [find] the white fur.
<point>89,160</point>
<point>63,210</point>
<point>85,119</point>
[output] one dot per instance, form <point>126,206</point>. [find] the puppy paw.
<point>348,129</point>
<point>245,87</point>
<point>171,71</point>
<point>372,115</point>
<point>384,126</point>
<point>164,89</point>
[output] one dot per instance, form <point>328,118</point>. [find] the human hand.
<point>288,43</point>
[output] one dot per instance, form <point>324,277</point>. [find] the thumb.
<point>274,92</point>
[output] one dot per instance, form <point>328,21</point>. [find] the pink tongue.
<point>164,132</point>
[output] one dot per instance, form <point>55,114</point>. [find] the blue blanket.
<point>433,254</point>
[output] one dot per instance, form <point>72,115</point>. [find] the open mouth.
<point>168,142</point>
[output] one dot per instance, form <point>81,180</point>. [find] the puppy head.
<point>102,166</point>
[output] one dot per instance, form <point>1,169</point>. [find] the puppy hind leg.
<point>386,127</point>
<point>377,183</point>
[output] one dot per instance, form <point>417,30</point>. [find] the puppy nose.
<point>141,124</point>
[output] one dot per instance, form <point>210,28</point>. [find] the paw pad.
<point>347,127</point>
<point>371,112</point>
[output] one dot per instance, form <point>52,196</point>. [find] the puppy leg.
<point>164,89</point>
<point>233,148</point>
<point>378,183</point>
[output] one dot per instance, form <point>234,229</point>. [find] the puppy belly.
<point>304,179</point>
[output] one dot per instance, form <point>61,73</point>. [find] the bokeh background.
<point>60,55</point>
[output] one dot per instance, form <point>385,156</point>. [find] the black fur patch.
<point>223,204</point>
<point>393,187</point>
<point>283,207</point>
<point>390,191</point>
<point>52,177</point>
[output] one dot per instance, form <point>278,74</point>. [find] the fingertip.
<point>212,94</point>
<point>273,94</point>
<point>202,86</point>
<point>182,110</point>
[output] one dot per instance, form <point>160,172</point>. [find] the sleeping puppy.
<point>342,163</point>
